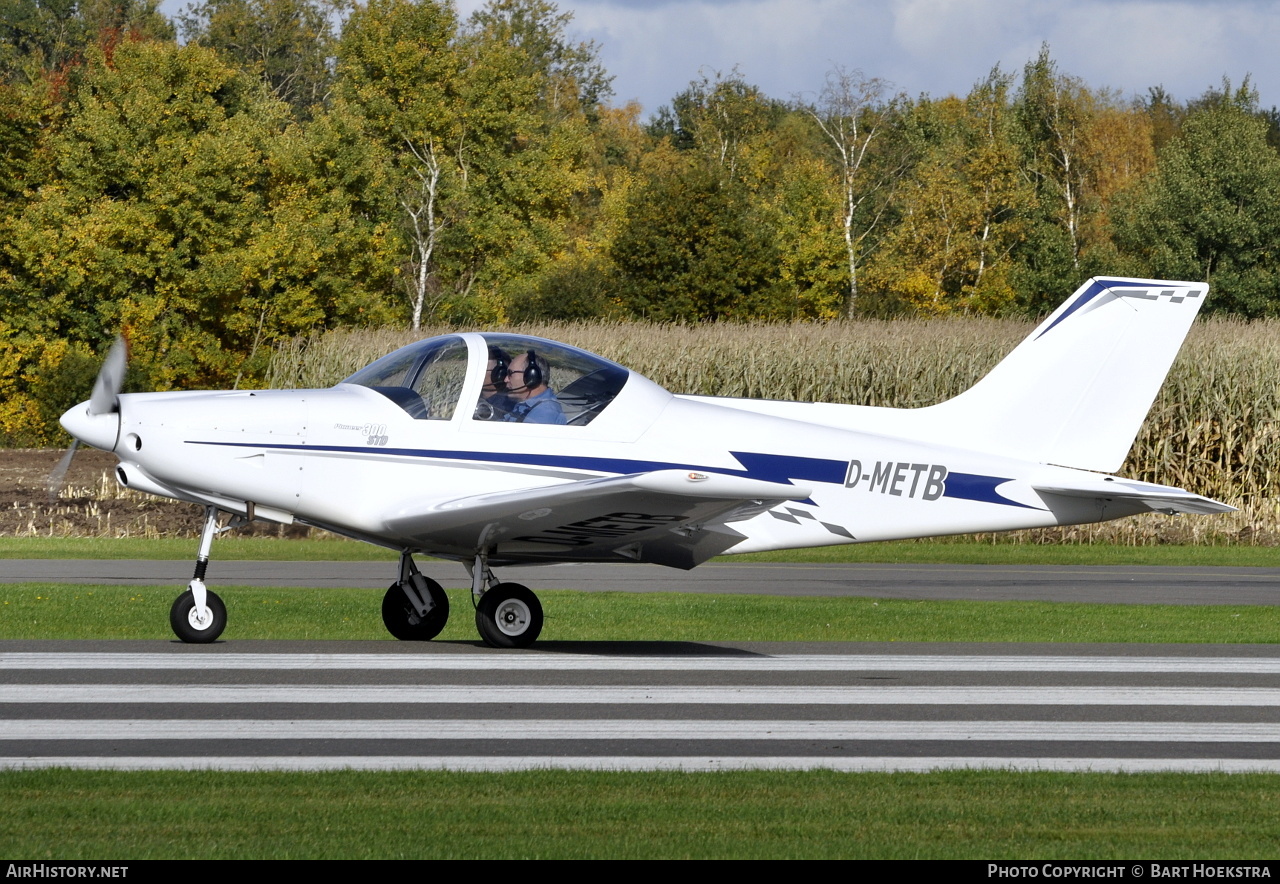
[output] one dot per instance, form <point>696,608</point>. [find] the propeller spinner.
<point>97,421</point>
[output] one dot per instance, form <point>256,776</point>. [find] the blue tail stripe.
<point>1098,287</point>
<point>968,486</point>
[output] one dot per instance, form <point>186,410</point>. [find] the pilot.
<point>495,404</point>
<point>528,387</point>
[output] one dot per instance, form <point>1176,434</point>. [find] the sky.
<point>654,48</point>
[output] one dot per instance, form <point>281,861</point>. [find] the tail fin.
<point>1076,391</point>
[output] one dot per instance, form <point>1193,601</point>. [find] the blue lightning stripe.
<point>779,468</point>
<point>783,468</point>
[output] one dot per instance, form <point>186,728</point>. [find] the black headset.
<point>501,367</point>
<point>536,371</point>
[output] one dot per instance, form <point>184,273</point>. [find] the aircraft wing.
<point>1157,498</point>
<point>669,517</point>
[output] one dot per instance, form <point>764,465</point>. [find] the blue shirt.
<point>544,408</point>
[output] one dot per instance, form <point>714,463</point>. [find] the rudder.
<point>1076,391</point>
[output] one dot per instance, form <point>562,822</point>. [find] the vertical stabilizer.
<point>1076,391</point>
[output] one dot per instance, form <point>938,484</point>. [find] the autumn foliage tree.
<point>182,208</point>
<point>1212,210</point>
<point>297,165</point>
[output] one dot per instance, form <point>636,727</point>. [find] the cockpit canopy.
<point>523,379</point>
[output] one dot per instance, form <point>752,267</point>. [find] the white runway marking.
<point>505,763</point>
<point>570,718</point>
<point>533,661</point>
<point>637,729</point>
<point>744,695</point>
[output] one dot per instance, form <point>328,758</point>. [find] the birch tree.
<point>399,63</point>
<point>1055,112</point>
<point>853,115</point>
<point>719,116</point>
<point>961,211</point>
<point>488,142</point>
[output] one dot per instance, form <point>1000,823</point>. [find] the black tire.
<point>509,616</point>
<point>402,619</point>
<point>187,629</point>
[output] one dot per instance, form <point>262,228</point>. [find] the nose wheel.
<point>196,624</point>
<point>198,616</point>
<point>509,616</point>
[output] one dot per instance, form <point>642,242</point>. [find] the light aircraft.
<point>499,449</point>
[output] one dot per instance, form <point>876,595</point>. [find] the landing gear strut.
<point>198,616</point>
<point>508,615</point>
<point>415,607</point>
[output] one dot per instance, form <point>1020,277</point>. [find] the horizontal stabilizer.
<point>1157,498</point>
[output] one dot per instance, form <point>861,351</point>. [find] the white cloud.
<point>934,46</point>
<point>655,47</point>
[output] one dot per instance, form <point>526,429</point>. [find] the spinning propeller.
<point>90,422</point>
<point>106,389</point>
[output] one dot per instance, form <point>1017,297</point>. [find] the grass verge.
<point>244,549</point>
<point>98,815</point>
<point>957,551</point>
<point>56,611</point>
<point>967,551</point>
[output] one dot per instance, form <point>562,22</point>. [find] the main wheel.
<point>509,616</point>
<point>402,619</point>
<point>193,628</point>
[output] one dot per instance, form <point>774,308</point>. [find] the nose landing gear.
<point>198,624</point>
<point>198,616</point>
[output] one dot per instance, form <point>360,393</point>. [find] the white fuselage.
<point>498,448</point>
<point>346,457</point>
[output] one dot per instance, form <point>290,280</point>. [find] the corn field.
<point>1213,428</point>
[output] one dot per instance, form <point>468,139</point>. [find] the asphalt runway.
<point>638,706</point>
<point>249,705</point>
<point>1112,584</point>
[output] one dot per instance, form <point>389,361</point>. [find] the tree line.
<point>257,169</point>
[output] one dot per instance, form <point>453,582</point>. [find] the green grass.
<point>97,815</point>
<point>102,815</point>
<point>54,611</point>
<point>232,548</point>
<point>957,551</point>
<point>966,551</point>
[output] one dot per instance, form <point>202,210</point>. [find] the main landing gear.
<point>415,608</point>
<point>198,616</point>
<point>508,615</point>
